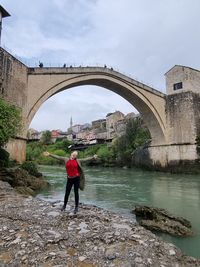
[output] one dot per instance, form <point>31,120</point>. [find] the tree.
<point>46,138</point>
<point>135,136</point>
<point>10,121</point>
<point>62,144</point>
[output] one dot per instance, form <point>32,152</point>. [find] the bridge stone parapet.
<point>94,69</point>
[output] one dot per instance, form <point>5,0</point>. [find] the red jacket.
<point>72,168</point>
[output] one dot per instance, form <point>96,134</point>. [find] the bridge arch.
<point>149,102</point>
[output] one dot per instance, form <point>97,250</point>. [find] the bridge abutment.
<point>17,149</point>
<point>180,152</point>
<point>13,89</point>
<point>182,158</point>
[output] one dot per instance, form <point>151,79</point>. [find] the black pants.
<point>70,182</point>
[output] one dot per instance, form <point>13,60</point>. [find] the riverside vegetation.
<point>10,125</point>
<point>25,178</point>
<point>117,153</point>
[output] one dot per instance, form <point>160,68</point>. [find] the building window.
<point>178,86</point>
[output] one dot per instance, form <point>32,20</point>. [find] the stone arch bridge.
<point>45,82</point>
<point>173,134</point>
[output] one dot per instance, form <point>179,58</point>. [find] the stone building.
<point>76,128</point>
<point>33,135</point>
<point>57,134</point>
<point>70,136</point>
<point>131,115</point>
<point>120,127</point>
<point>111,123</point>
<point>183,114</point>
<point>85,135</point>
<point>99,124</point>
<point>86,126</point>
<point>102,135</point>
<point>182,79</point>
<point>82,135</point>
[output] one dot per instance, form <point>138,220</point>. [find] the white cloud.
<point>141,38</point>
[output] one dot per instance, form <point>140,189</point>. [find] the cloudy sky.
<point>140,38</point>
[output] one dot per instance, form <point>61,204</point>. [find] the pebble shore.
<point>36,233</point>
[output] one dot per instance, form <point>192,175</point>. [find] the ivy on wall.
<point>10,121</point>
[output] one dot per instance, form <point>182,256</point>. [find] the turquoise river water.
<point>119,190</point>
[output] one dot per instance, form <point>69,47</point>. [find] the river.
<point>118,190</point>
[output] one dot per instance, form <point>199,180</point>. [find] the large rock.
<point>22,181</point>
<point>160,220</point>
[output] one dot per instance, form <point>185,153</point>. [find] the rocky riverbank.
<point>37,233</point>
<point>22,181</point>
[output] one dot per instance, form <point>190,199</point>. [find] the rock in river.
<point>161,220</point>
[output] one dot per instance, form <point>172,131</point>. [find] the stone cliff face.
<point>36,233</point>
<point>22,181</point>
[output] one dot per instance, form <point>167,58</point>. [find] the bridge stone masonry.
<point>173,119</point>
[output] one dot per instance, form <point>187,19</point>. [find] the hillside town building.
<point>99,131</point>
<point>111,123</point>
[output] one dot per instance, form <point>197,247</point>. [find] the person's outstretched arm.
<point>88,158</point>
<point>63,159</point>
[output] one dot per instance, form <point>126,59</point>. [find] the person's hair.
<point>75,152</point>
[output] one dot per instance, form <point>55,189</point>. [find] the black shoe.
<point>63,208</point>
<point>75,210</point>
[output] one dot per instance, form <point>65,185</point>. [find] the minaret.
<point>3,14</point>
<point>71,124</point>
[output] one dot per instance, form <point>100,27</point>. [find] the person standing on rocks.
<point>75,175</point>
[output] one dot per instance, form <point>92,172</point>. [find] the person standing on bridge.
<point>75,175</point>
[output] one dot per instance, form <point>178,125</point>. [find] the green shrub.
<point>62,144</point>
<point>135,136</point>
<point>46,138</point>
<point>10,121</point>
<point>47,161</point>
<point>105,153</point>
<point>59,152</point>
<point>90,151</point>
<point>31,168</point>
<point>34,150</point>
<point>81,154</point>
